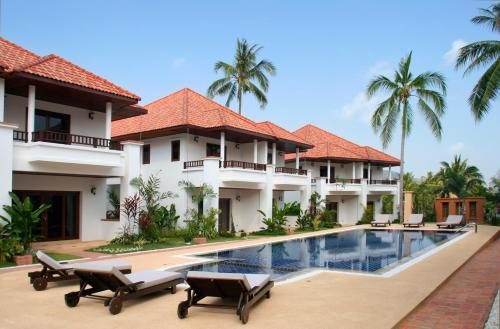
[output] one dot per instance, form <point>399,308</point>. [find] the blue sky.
<point>325,53</point>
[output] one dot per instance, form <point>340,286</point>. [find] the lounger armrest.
<point>134,285</point>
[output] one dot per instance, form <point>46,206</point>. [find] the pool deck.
<point>322,301</point>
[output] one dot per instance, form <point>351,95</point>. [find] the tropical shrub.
<point>149,191</point>
<point>9,247</point>
<point>292,208</point>
<point>315,204</point>
<point>304,220</point>
<point>114,201</point>
<point>198,224</point>
<point>23,219</point>
<point>275,223</point>
<point>367,217</point>
<point>131,208</point>
<point>316,222</point>
<point>326,218</point>
<point>166,218</point>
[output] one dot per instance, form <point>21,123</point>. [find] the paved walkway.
<point>465,300</point>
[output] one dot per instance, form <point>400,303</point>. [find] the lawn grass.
<point>56,256</point>
<point>168,243</point>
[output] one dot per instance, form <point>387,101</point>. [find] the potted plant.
<point>23,217</point>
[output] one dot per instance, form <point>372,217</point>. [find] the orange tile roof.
<point>189,108</point>
<point>331,146</point>
<point>280,133</point>
<point>14,58</point>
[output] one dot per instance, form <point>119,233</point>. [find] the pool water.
<point>368,251</point>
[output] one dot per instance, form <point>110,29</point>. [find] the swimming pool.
<point>360,250</point>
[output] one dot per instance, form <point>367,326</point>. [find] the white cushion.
<point>415,219</point>
<point>105,265</point>
<point>382,218</point>
<point>152,278</point>
<point>249,280</point>
<point>258,280</point>
<point>51,262</point>
<point>453,219</point>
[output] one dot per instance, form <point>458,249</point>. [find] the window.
<point>269,154</point>
<point>446,209</point>
<point>51,121</point>
<point>323,172</point>
<point>175,151</point>
<point>146,154</point>
<point>213,150</point>
<point>365,173</point>
<point>473,209</point>
<point>459,209</point>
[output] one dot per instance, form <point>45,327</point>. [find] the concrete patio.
<point>321,301</point>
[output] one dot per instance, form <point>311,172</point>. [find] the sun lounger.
<point>415,220</point>
<point>246,288</point>
<point>124,286</point>
<point>382,220</point>
<point>54,271</point>
<point>451,222</point>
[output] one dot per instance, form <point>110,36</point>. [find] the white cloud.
<point>451,55</point>
<point>360,106</point>
<point>178,62</point>
<point>456,148</point>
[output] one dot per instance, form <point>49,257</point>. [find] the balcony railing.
<point>20,136</point>
<point>68,139</point>
<point>344,181</point>
<point>243,165</point>
<point>193,164</point>
<point>383,181</point>
<point>292,171</point>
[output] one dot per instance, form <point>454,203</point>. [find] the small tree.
<point>198,224</point>
<point>23,219</point>
<point>149,191</point>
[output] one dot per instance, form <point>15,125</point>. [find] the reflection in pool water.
<point>356,250</point>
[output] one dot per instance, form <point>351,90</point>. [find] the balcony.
<point>290,171</point>
<point>62,153</point>
<point>68,139</point>
<point>356,185</point>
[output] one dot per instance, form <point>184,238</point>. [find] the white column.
<point>255,151</point>
<point>223,145</point>
<point>297,158</point>
<point>305,194</point>
<point>369,171</point>
<point>211,177</point>
<point>362,169</point>
<point>132,152</point>
<point>266,194</point>
<point>354,170</point>
<point>6,168</point>
<point>2,100</point>
<point>390,172</point>
<point>109,111</point>
<point>274,154</point>
<point>30,124</point>
<point>328,163</point>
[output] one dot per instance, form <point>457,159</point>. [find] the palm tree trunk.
<point>240,99</point>
<point>402,166</point>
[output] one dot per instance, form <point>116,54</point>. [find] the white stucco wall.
<point>244,212</point>
<point>92,207</point>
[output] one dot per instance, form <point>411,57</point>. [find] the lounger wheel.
<point>40,283</point>
<point>72,299</point>
<point>115,305</point>
<point>182,309</point>
<point>244,314</point>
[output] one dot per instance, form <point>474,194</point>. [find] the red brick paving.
<point>465,300</point>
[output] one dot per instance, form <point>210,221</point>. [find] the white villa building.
<point>67,135</point>
<point>189,137</point>
<point>348,176</point>
<point>55,140</point>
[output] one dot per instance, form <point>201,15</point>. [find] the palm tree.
<point>459,178</point>
<point>246,75</point>
<point>479,54</point>
<point>426,90</point>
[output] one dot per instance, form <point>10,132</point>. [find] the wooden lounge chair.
<point>246,288</point>
<point>415,220</point>
<point>124,286</point>
<point>382,220</point>
<point>54,271</point>
<point>451,222</point>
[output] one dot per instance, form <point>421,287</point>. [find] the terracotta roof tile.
<point>189,108</point>
<point>331,146</point>
<point>14,58</point>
